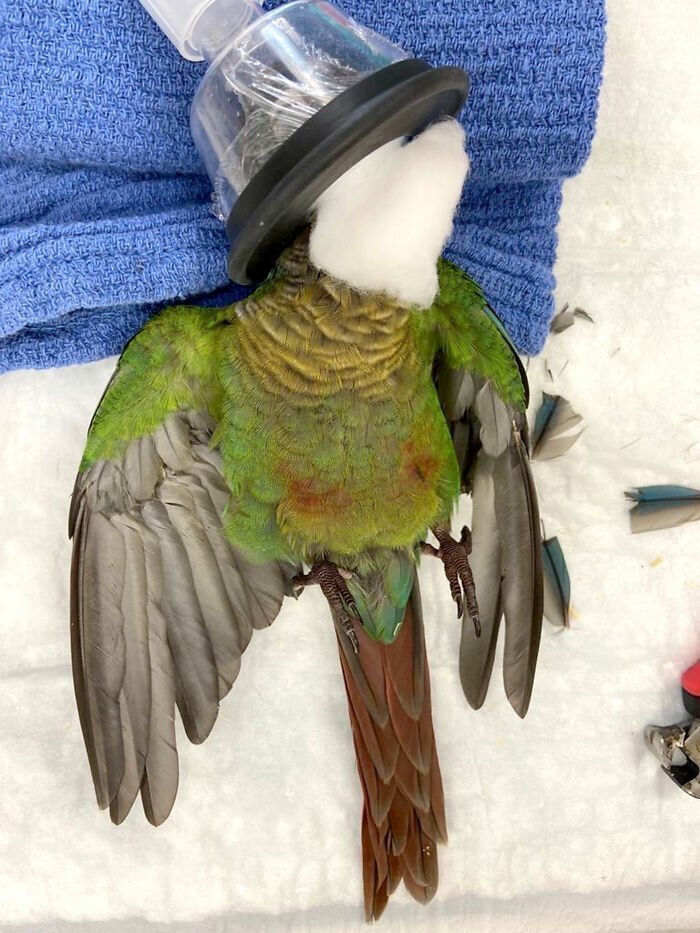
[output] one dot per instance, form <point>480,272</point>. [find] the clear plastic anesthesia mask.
<point>292,99</point>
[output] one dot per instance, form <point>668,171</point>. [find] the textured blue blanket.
<point>104,206</point>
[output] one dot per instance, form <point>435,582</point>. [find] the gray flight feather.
<point>162,608</point>
<point>102,654</point>
<point>462,438</point>
<point>193,655</point>
<point>456,389</point>
<point>495,420</point>
<point>160,779</point>
<point>142,468</point>
<point>106,488</point>
<point>227,583</point>
<point>216,608</point>
<point>518,522</point>
<point>135,695</point>
<point>476,654</point>
<point>260,587</point>
<point>489,439</point>
<point>172,442</point>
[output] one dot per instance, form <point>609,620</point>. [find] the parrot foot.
<point>334,587</point>
<point>455,559</point>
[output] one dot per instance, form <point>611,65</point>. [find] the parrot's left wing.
<point>483,391</point>
<point>162,604</point>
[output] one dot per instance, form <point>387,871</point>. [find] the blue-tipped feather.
<point>661,493</point>
<point>662,507</point>
<point>555,428</point>
<point>543,415</point>
<point>557,585</point>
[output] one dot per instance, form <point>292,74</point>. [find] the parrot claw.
<point>332,580</point>
<point>455,559</point>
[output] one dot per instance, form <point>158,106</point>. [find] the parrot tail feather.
<point>404,809</point>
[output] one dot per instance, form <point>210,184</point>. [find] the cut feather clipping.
<point>556,428</point>
<point>567,317</point>
<point>556,583</point>
<point>662,507</point>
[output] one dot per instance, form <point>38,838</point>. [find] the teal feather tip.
<point>557,584</point>
<point>662,506</point>
<point>557,428</point>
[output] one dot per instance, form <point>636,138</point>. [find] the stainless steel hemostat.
<point>677,747</point>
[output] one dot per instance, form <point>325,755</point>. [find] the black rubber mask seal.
<point>399,100</point>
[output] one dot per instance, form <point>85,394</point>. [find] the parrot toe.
<point>455,560</point>
<point>332,580</point>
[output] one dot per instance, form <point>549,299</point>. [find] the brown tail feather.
<point>403,816</point>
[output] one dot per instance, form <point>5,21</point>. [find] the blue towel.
<point>105,207</point>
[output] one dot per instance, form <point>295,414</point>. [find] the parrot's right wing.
<point>162,604</point>
<point>483,391</point>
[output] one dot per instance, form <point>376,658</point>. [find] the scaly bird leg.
<point>455,560</point>
<point>333,585</point>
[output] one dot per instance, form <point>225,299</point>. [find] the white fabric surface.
<point>560,822</point>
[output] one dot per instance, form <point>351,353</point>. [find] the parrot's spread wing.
<point>162,605</point>
<point>483,391</point>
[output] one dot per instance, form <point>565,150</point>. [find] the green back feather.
<point>471,336</point>
<point>170,365</point>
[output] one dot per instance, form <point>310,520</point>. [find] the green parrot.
<point>309,424</point>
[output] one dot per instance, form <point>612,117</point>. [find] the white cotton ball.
<point>383,224</point>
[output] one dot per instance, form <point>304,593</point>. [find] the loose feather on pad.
<point>557,586</point>
<point>567,318</point>
<point>662,507</point>
<point>556,428</point>
<point>162,608</point>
